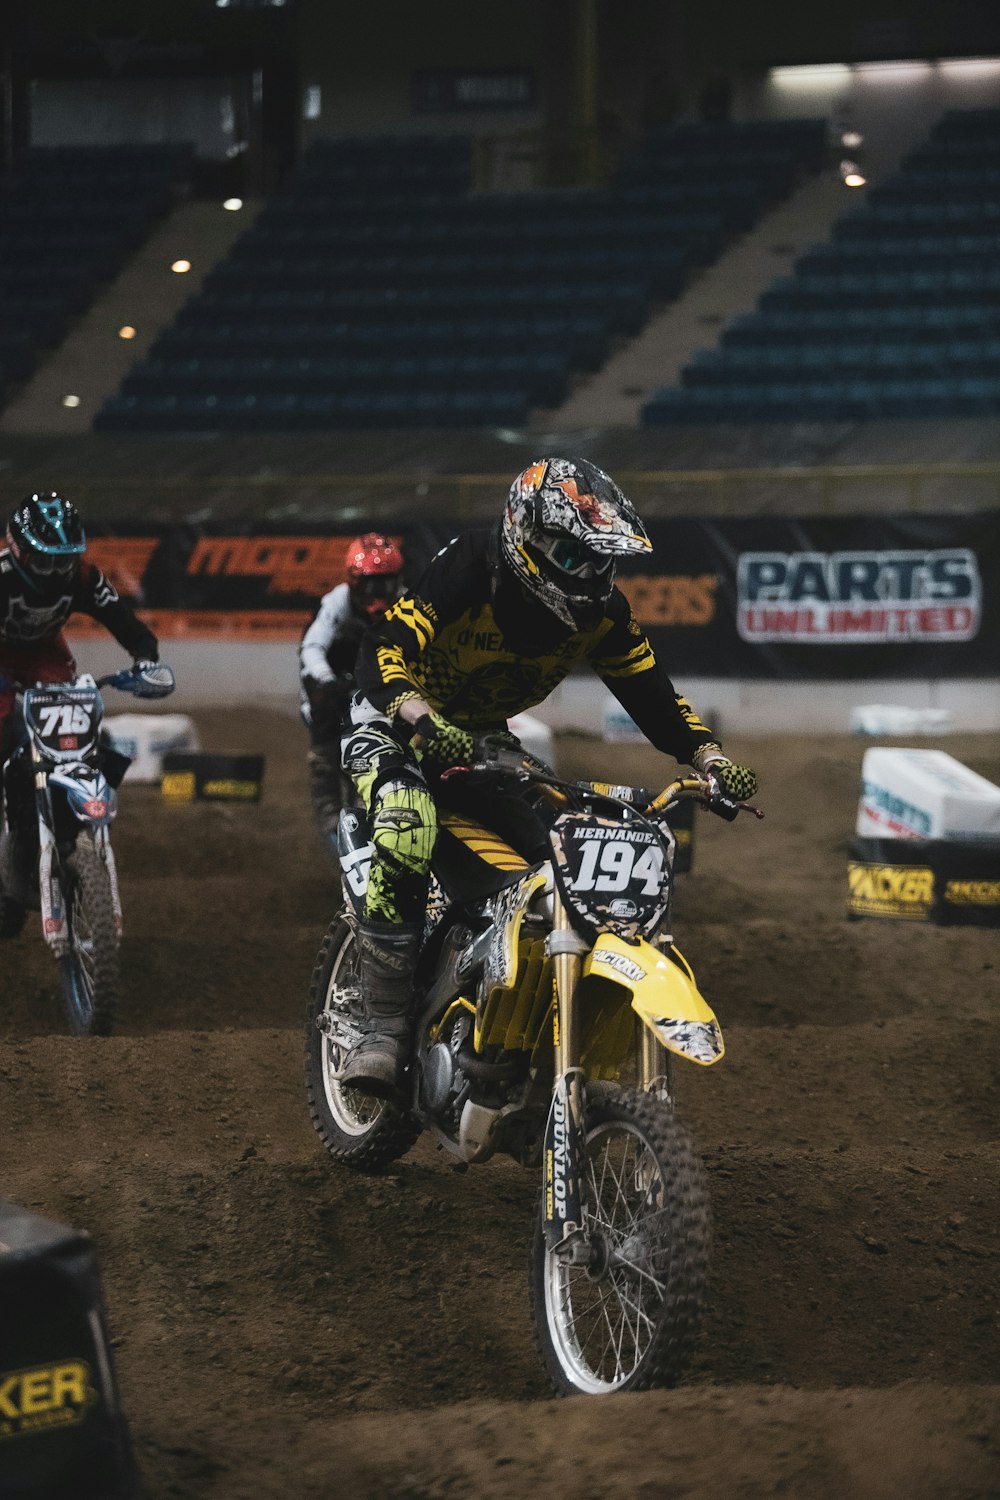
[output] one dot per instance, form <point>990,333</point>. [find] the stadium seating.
<point>378,289</point>
<point>69,219</point>
<point>897,314</point>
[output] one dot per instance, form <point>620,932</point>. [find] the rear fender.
<point>664,996</point>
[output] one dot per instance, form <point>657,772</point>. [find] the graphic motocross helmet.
<point>564,524</point>
<point>373,566</point>
<point>46,538</point>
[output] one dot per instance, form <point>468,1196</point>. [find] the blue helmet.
<point>46,537</point>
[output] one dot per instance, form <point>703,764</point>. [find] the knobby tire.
<point>90,969</point>
<point>360,1131</point>
<point>670,1243</point>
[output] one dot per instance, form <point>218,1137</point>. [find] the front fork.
<point>565,1132</point>
<point>51,891</point>
<point>654,1067</point>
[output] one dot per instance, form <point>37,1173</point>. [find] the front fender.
<point>664,996</point>
<point>88,796</point>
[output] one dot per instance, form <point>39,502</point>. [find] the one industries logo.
<point>858,598</point>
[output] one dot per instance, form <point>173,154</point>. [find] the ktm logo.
<point>123,559</point>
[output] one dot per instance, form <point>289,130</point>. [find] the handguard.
<point>151,679</point>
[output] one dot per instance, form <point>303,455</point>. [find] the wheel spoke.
<point>613,1323</point>
<point>611,1307</point>
<point>354,1111</point>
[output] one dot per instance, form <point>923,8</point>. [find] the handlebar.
<point>524,767</point>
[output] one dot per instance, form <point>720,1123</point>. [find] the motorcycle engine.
<point>443,1085</point>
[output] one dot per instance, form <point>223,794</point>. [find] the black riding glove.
<point>445,744</point>
<point>328,703</point>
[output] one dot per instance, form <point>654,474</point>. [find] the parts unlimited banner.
<point>760,597</point>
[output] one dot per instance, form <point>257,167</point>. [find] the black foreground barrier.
<point>190,775</point>
<point>925,880</point>
<point>62,1433</point>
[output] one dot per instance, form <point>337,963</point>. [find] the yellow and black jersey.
<point>479,649</point>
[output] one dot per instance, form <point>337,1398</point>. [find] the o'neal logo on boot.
<point>45,1397</point>
<point>890,891</point>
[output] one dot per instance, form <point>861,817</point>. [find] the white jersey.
<point>335,621</point>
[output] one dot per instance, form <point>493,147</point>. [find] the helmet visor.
<point>374,587</point>
<point>50,564</point>
<point>572,556</point>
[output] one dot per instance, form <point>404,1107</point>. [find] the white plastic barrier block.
<point>925,794</point>
<point>618,726</point>
<point>147,738</point>
<point>894,718</point>
<point>536,737</point>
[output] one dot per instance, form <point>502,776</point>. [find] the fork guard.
<point>664,996</point>
<point>562,1211</point>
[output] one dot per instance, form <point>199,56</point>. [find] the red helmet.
<point>373,565</point>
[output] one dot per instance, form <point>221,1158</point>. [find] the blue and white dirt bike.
<point>55,848</point>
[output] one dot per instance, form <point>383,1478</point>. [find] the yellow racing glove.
<point>445,744</point>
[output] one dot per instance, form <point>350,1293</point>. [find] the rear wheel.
<point>358,1129</point>
<point>626,1319</point>
<point>90,968</point>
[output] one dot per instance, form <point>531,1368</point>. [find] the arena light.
<point>852,175</point>
<point>71,401</point>
<point>126,332</point>
<point>970,67</point>
<point>810,75</point>
<point>852,139</point>
<point>180,266</point>
<point>904,71</point>
<point>233,204</point>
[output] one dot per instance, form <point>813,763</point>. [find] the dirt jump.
<point>285,1328</point>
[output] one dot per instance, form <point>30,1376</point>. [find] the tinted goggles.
<point>51,564</point>
<point>375,586</point>
<point>571,555</point>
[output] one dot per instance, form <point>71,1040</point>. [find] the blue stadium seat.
<point>370,287</point>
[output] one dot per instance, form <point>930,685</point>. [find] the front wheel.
<point>356,1128</point>
<point>626,1319</point>
<point>90,968</point>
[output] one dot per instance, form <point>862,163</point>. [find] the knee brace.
<point>370,757</point>
<point>404,827</point>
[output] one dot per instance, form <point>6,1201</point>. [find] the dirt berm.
<point>283,1328</point>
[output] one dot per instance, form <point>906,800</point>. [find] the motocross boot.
<point>388,955</point>
<point>325,790</point>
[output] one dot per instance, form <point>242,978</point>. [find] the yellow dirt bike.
<point>550,1002</point>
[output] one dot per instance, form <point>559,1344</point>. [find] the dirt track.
<point>271,1314</point>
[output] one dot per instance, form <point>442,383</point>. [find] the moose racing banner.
<point>826,597</point>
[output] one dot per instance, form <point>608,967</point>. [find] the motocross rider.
<point>327,655</point>
<point>44,578</point>
<point>496,622</point>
